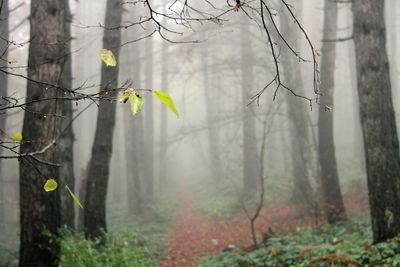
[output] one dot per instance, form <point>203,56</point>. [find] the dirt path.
<point>194,236</point>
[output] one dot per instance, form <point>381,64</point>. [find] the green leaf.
<point>108,57</point>
<point>50,185</point>
<point>167,100</point>
<point>136,102</point>
<point>17,136</point>
<point>74,197</point>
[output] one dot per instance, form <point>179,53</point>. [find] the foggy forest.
<point>208,133</point>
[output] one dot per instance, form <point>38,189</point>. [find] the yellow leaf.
<point>108,57</point>
<point>317,53</point>
<point>327,108</point>
<point>167,100</point>
<point>17,136</point>
<point>74,197</point>
<point>50,185</point>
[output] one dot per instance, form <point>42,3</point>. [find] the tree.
<point>333,202</point>
<point>40,212</point>
<point>99,165</point>
<point>67,136</point>
<point>300,138</point>
<point>250,154</point>
<point>377,118</point>
<point>149,126</point>
<point>4,33</point>
<point>212,116</point>
<point>163,175</point>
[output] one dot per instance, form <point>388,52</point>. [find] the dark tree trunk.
<point>333,202</point>
<point>250,154</point>
<point>4,28</point>
<point>67,136</point>
<point>377,118</point>
<point>300,134</point>
<point>99,165</point>
<point>40,212</point>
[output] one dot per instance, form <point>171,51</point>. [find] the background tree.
<point>331,193</point>
<point>300,138</point>
<point>250,148</point>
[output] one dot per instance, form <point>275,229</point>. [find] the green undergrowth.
<point>131,242</point>
<point>117,250</point>
<point>348,244</point>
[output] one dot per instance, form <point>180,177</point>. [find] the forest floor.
<point>194,235</point>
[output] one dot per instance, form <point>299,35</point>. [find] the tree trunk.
<point>134,149</point>
<point>300,137</point>
<point>162,176</point>
<point>40,212</point>
<point>99,165</point>
<point>149,126</point>
<point>211,112</point>
<point>333,202</point>
<point>250,155</point>
<point>377,118</point>
<point>4,33</point>
<point>67,136</point>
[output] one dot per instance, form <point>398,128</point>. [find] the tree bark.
<point>40,212</point>
<point>377,118</point>
<point>4,33</point>
<point>67,136</point>
<point>99,166</point>
<point>333,202</point>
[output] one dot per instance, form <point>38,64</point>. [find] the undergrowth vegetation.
<point>347,244</point>
<point>131,242</point>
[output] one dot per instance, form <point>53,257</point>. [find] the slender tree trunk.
<point>300,137</point>
<point>99,165</point>
<point>134,183</point>
<point>212,118</point>
<point>333,202</point>
<point>377,118</point>
<point>67,136</point>
<point>163,121</point>
<point>149,126</point>
<point>40,212</point>
<point>250,154</point>
<point>4,33</point>
<point>134,149</point>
